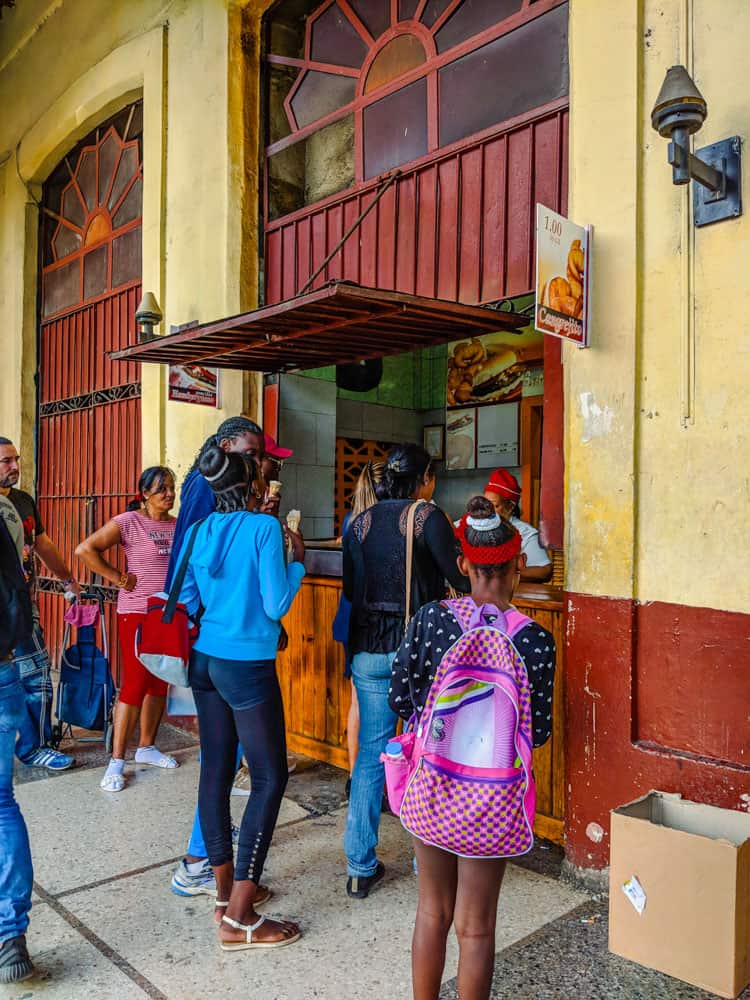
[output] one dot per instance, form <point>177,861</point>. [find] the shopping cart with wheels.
<point>86,692</point>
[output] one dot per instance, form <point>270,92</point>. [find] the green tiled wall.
<point>413,381</point>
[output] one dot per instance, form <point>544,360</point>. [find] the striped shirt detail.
<point>147,545</point>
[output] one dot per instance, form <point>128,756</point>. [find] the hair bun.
<point>480,508</point>
<point>212,462</point>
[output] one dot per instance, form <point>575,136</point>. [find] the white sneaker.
<point>185,883</point>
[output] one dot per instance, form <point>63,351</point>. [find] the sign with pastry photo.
<point>194,384</point>
<point>490,369</point>
<point>563,277</point>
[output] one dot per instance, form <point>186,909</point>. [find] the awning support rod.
<point>355,225</point>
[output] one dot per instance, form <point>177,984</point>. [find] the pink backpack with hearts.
<point>463,781</point>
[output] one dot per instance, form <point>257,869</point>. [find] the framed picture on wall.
<point>433,440</point>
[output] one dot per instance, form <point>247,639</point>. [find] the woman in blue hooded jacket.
<point>237,572</point>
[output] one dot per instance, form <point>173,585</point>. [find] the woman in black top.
<point>375,583</point>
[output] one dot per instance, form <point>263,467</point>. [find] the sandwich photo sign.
<point>486,380</point>
<point>491,369</point>
<point>563,277</point>
<point>194,383</point>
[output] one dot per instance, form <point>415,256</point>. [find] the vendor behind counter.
<point>503,491</point>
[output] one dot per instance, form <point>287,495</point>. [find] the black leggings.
<point>239,700</point>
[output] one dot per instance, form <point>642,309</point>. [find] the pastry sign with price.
<point>563,277</point>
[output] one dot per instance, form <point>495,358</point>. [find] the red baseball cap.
<point>505,484</point>
<point>274,450</point>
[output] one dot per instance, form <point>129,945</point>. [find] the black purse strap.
<point>174,590</point>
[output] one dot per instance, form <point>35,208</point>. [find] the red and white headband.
<point>486,555</point>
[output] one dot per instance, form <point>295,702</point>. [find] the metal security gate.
<point>89,421</point>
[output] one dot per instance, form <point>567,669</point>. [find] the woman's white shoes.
<point>112,782</point>
<point>153,756</point>
<point>248,942</point>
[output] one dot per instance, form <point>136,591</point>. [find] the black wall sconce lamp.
<point>679,111</point>
<point>147,316</point>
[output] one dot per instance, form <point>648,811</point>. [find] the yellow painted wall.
<point>657,501</point>
<point>657,472</point>
<point>192,61</point>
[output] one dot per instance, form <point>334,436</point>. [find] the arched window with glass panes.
<point>91,215</point>
<point>358,87</point>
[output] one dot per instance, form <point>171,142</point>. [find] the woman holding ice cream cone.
<point>239,554</point>
<point>273,459</point>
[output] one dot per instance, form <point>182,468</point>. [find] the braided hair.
<point>230,476</point>
<point>231,428</point>
<point>500,534</point>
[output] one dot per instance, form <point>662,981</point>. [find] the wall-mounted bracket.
<point>713,204</point>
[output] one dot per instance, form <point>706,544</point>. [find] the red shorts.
<point>137,682</point>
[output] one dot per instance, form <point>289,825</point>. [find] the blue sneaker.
<point>186,883</point>
<point>53,760</point>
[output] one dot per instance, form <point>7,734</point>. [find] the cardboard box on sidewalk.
<point>679,890</point>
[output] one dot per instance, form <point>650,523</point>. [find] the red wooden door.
<point>89,421</point>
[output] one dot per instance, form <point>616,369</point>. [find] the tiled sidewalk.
<point>105,925</point>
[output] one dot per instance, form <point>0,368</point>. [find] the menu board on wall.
<point>482,437</point>
<point>497,436</point>
<point>194,384</point>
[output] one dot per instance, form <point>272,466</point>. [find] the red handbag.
<point>166,635</point>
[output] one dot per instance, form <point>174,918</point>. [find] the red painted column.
<point>657,696</point>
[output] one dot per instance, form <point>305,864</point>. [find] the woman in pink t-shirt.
<point>145,533</point>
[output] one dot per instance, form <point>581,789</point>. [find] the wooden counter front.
<point>316,695</point>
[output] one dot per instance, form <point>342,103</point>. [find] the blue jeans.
<point>16,873</point>
<point>35,728</point>
<point>377,723</point>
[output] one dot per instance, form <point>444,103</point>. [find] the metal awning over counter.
<point>338,324</point>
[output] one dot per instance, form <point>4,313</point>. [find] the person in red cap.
<point>504,494</point>
<point>273,458</point>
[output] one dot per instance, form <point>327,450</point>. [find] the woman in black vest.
<point>375,583</point>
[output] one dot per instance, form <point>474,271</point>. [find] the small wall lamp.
<point>147,315</point>
<point>680,111</point>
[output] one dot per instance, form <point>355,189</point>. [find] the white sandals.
<point>155,758</point>
<point>112,782</point>
<point>248,942</point>
<point>264,894</point>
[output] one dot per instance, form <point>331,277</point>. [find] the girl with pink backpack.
<point>474,677</point>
